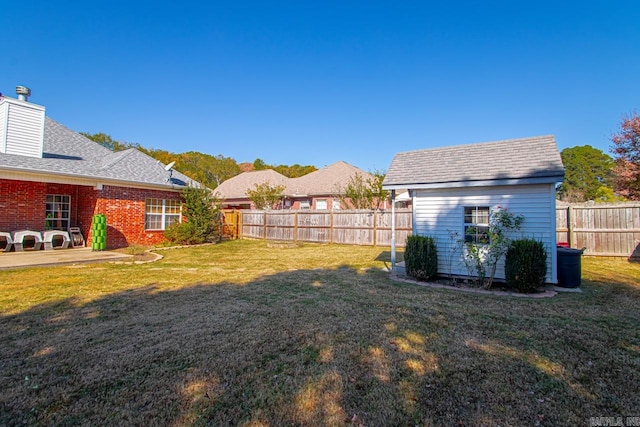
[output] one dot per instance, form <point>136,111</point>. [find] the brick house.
<point>318,190</point>
<point>54,178</point>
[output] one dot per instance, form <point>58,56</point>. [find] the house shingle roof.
<point>534,159</point>
<point>325,181</point>
<point>328,180</point>
<point>66,152</point>
<point>236,187</point>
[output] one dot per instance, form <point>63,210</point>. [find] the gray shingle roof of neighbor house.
<point>523,160</point>
<point>324,181</point>
<point>66,152</point>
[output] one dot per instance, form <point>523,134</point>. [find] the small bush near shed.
<point>421,257</point>
<point>525,265</point>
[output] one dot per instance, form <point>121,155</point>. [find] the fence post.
<point>331,227</point>
<point>295,226</point>
<point>375,228</point>
<point>264,226</point>
<point>571,234</point>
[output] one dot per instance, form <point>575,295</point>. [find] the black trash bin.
<point>569,267</point>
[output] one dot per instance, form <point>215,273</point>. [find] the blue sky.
<point>317,82</point>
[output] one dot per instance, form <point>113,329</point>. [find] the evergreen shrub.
<point>421,257</point>
<point>525,265</point>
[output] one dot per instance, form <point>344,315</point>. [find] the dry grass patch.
<point>243,334</point>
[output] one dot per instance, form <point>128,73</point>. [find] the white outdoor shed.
<point>456,187</point>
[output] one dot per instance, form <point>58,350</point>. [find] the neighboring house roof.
<point>236,187</point>
<point>325,181</point>
<point>67,153</point>
<point>328,180</point>
<point>514,161</point>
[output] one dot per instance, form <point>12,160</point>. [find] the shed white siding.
<point>22,131</point>
<point>440,213</point>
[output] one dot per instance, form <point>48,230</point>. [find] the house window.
<point>476,224</point>
<point>304,204</point>
<point>58,208</point>
<point>335,204</point>
<point>321,204</point>
<point>161,213</point>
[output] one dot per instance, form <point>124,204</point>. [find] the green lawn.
<point>244,334</point>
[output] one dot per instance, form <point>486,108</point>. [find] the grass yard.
<point>244,334</point>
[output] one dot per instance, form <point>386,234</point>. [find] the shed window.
<point>304,204</point>
<point>161,213</point>
<point>335,204</point>
<point>476,224</point>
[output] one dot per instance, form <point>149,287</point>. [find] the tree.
<point>587,169</point>
<point>107,141</point>
<point>201,210</point>
<point>265,195</point>
<point>363,193</point>
<point>356,193</point>
<point>607,195</point>
<point>375,184</point>
<point>626,150</point>
<point>207,169</point>
<point>294,171</point>
<point>259,164</point>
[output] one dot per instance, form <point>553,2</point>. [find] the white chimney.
<point>21,125</point>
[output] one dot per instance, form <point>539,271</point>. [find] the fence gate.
<point>231,224</point>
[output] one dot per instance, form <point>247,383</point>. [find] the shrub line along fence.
<point>604,229</point>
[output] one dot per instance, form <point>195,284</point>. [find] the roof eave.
<point>553,179</point>
<point>75,179</point>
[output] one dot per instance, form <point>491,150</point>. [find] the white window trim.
<point>67,219</point>
<point>163,215</point>
<point>326,204</point>
<point>466,225</point>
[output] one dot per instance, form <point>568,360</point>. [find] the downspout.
<point>393,230</point>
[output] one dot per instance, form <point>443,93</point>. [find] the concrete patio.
<point>9,260</point>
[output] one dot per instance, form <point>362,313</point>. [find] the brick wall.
<point>124,208</point>
<point>16,205</point>
<point>22,206</point>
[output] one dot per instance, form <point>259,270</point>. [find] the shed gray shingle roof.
<point>69,153</point>
<point>534,159</point>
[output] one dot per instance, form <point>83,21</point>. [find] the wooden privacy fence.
<point>355,227</point>
<point>603,229</point>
